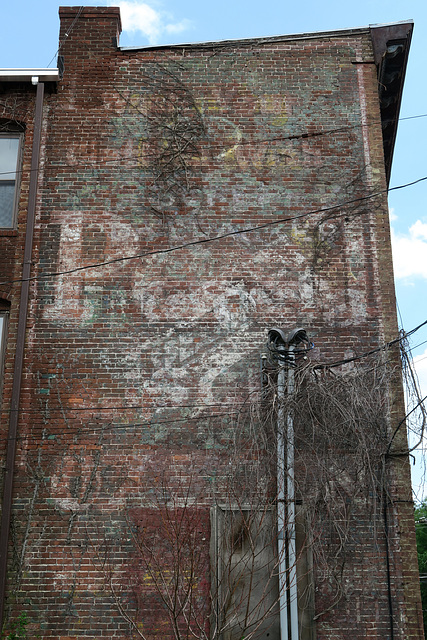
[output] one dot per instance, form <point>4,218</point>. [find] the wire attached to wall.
<point>222,236</point>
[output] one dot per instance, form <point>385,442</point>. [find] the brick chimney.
<point>88,33</point>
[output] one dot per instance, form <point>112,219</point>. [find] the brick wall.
<point>235,174</point>
<point>16,116</point>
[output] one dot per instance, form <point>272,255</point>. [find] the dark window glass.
<point>9,151</point>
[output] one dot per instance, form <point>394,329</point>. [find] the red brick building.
<point>162,208</point>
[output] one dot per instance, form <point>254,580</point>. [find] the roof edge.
<point>29,75</point>
<point>309,35</point>
<point>391,44</point>
<point>248,41</point>
<point>383,33</point>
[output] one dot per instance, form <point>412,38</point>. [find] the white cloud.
<point>140,17</point>
<point>419,229</point>
<point>410,251</point>
<point>392,215</point>
<point>178,27</point>
<point>420,364</point>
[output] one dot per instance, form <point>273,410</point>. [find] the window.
<point>9,156</point>
<point>247,575</point>
<point>247,586</point>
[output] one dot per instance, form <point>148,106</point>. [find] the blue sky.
<point>29,38</point>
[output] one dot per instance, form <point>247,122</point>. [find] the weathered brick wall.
<point>236,175</point>
<point>17,112</point>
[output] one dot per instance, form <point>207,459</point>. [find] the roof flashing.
<point>266,39</point>
<point>246,41</point>
<point>391,43</point>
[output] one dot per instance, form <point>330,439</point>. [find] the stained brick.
<point>233,174</point>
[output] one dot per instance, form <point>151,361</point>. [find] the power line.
<point>422,115</point>
<point>297,136</point>
<point>366,354</point>
<point>230,412</point>
<point>96,428</point>
<point>121,407</point>
<point>67,34</point>
<point>222,236</point>
<point>118,408</point>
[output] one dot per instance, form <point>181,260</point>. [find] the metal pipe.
<point>19,352</point>
<point>290,503</point>
<point>283,346</point>
<point>281,507</point>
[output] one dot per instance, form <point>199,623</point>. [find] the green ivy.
<point>19,628</point>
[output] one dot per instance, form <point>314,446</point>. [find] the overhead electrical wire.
<point>139,158</point>
<point>404,335</point>
<point>222,236</point>
<point>77,430</point>
<point>63,431</point>
<point>121,407</point>
<point>216,238</point>
<point>73,24</point>
<point>154,407</point>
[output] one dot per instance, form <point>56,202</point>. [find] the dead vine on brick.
<point>169,148</point>
<point>342,431</point>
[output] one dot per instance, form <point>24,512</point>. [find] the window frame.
<point>220,524</point>
<point>17,180</point>
<point>305,570</point>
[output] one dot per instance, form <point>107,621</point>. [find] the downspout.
<point>290,502</point>
<point>288,596</point>
<point>282,348</point>
<point>387,549</point>
<point>20,347</point>
<point>281,506</point>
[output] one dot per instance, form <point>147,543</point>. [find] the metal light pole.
<point>282,348</point>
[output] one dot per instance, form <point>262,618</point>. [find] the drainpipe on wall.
<point>283,350</point>
<point>281,506</point>
<point>20,346</point>
<point>290,503</point>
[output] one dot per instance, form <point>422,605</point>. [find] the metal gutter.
<point>29,75</point>
<point>19,352</point>
<point>391,44</point>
